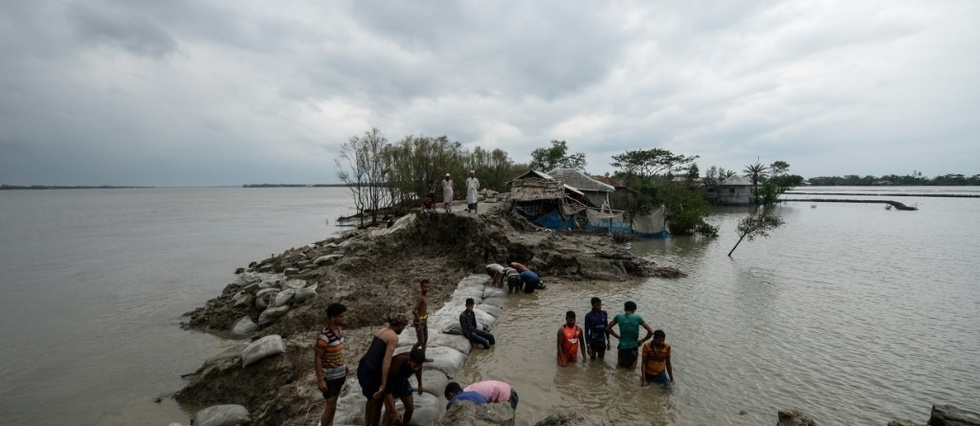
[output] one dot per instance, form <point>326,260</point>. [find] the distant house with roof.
<point>735,190</point>
<point>620,199</point>
<point>595,191</point>
<point>545,200</point>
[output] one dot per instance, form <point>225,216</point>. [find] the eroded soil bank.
<point>375,272</point>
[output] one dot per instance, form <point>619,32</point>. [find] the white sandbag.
<point>222,415</point>
<point>494,292</point>
<point>267,291</point>
<point>350,406</point>
<point>446,360</point>
<point>284,297</point>
<point>271,280</point>
<point>495,301</point>
<point>294,284</point>
<point>427,408</point>
<point>329,259</point>
<point>226,354</point>
<point>453,328</point>
<point>238,297</point>
<point>495,311</point>
<point>454,341</point>
<point>463,293</point>
<point>243,328</point>
<point>248,278</point>
<point>433,381</point>
<point>262,302</point>
<point>408,338</point>
<point>475,281</point>
<point>271,314</point>
<point>262,348</point>
<point>304,293</point>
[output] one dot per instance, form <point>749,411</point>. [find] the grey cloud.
<point>137,34</point>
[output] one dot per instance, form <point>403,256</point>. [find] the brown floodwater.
<point>853,313</point>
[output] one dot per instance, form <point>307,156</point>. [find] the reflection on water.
<point>855,314</point>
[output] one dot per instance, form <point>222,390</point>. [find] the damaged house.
<point>568,199</point>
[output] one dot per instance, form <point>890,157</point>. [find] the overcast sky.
<point>197,93</point>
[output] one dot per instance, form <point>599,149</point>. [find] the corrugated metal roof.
<point>580,180</point>
<point>736,181</point>
<point>533,188</point>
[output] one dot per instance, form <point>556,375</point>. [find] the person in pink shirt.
<point>494,391</point>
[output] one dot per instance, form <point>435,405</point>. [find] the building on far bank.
<point>734,191</point>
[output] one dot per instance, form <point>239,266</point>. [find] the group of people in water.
<point>594,340</point>
<point>517,276</point>
<point>384,376</point>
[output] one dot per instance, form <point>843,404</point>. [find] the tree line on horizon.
<point>914,179</point>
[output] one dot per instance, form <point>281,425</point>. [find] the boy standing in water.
<point>629,330</point>
<point>570,339</point>
<point>420,313</point>
<point>656,362</point>
<point>596,336</point>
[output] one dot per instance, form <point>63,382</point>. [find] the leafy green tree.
<point>758,225</point>
<point>646,163</point>
<point>556,156</point>
<point>643,171</point>
<point>687,206</point>
<point>756,173</point>
<point>779,183</point>
<point>779,167</point>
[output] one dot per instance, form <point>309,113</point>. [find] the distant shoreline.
<point>260,185</point>
<point>884,194</point>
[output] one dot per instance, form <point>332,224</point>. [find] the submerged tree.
<point>757,226</point>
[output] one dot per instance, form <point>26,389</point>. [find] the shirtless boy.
<point>421,316</point>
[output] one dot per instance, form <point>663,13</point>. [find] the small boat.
<point>813,206</point>
<point>888,206</point>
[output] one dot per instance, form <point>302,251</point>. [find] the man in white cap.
<point>472,186</point>
<point>447,194</point>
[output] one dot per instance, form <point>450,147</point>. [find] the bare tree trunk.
<point>736,245</point>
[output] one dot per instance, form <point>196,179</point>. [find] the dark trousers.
<point>482,337</point>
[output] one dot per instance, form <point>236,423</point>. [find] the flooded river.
<point>853,313</point>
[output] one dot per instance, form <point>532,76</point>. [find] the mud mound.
<point>374,272</point>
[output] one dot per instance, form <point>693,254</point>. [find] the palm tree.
<point>757,172</point>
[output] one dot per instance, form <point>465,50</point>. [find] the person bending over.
<point>455,393</point>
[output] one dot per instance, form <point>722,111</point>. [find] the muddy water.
<point>855,314</point>
<point>851,312</point>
